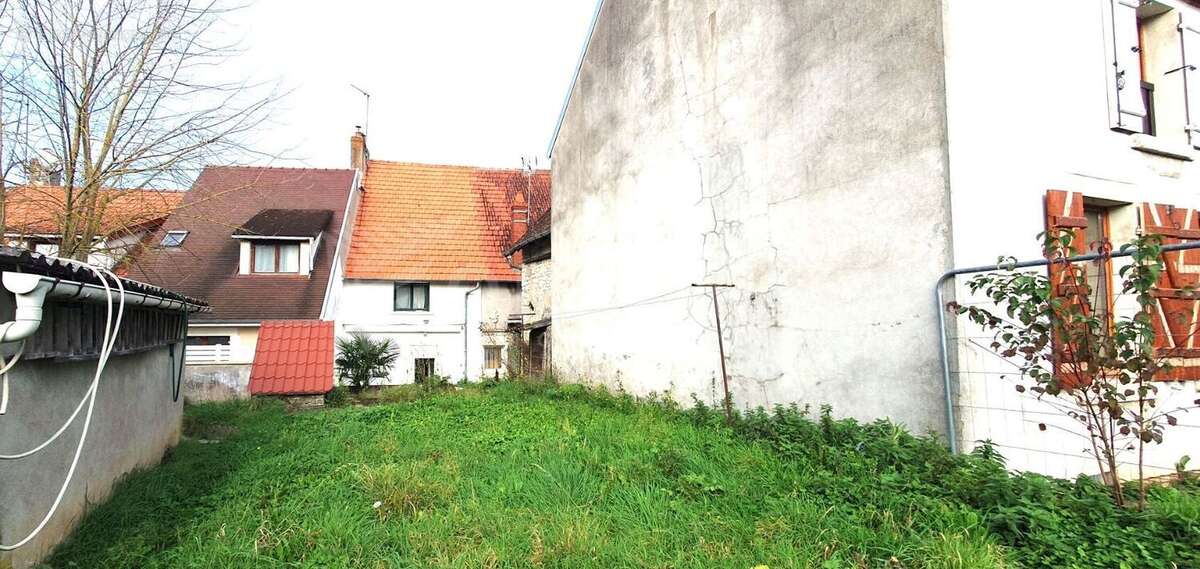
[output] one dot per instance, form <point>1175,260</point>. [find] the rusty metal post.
<point>721,347</point>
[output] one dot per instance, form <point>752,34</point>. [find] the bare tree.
<point>124,94</point>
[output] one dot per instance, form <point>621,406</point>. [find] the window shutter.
<point>1175,314</point>
<point>1064,212</point>
<point>1189,35</point>
<point>1128,114</point>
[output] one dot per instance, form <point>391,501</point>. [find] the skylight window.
<point>174,238</point>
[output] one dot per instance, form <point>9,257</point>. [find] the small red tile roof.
<point>293,357</point>
<point>440,223</point>
<point>39,210</point>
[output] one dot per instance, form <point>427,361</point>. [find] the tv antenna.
<point>367,112</point>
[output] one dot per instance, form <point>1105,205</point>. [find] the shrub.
<point>339,396</point>
<point>362,360</point>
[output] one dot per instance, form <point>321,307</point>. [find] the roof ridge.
<point>103,189</point>
<point>294,168</point>
<point>445,165</point>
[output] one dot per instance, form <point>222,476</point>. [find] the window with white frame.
<point>275,257</point>
<point>1154,84</point>
<point>174,238</point>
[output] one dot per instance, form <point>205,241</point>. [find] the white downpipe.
<point>466,324</point>
<point>109,341</point>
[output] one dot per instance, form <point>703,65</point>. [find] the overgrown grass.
<point>545,476</point>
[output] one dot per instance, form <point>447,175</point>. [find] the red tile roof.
<point>39,210</point>
<point>206,266</point>
<point>293,357</point>
<point>440,223</point>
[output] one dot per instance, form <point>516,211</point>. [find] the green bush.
<point>339,396</point>
<point>361,360</point>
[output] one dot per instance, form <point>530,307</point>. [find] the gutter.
<point>343,237</point>
<point>562,113</point>
<point>940,308</point>
<point>32,291</point>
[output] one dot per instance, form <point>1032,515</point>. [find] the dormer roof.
<point>285,223</point>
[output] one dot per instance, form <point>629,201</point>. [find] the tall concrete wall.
<point>133,424</point>
<point>793,149</point>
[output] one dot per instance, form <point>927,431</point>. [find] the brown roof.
<point>439,223</point>
<point>293,357</point>
<point>39,210</point>
<point>287,223</point>
<point>538,228</point>
<point>206,265</point>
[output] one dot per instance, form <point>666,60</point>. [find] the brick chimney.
<point>358,150</point>
<point>520,224</point>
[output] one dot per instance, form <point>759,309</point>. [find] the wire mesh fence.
<point>989,400</point>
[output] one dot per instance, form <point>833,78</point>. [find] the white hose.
<point>106,346</point>
<point>7,365</point>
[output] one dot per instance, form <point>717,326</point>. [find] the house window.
<point>1098,275</point>
<point>1154,84</point>
<point>48,249</point>
<point>174,238</point>
<point>410,296</point>
<point>276,258</point>
<point>491,357</point>
<point>207,340</point>
<point>423,368</point>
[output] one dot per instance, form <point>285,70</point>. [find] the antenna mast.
<point>367,118</point>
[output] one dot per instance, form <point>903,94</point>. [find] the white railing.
<point>213,354</point>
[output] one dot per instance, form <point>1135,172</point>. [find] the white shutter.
<point>1126,66</point>
<point>1189,34</point>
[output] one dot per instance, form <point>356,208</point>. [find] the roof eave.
<point>562,113</point>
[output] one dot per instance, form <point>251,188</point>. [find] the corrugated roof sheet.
<point>293,357</point>
<point>440,223</point>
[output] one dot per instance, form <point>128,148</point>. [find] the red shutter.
<point>1175,317</point>
<point>1064,211</point>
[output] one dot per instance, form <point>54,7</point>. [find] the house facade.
<point>831,164</point>
<point>426,267</point>
<point>532,253</point>
<point>263,244</point>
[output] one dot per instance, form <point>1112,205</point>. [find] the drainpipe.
<point>466,320</point>
<point>941,311</point>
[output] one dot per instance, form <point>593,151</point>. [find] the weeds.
<point>531,474</point>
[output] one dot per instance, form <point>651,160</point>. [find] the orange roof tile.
<point>293,357</point>
<point>439,223</point>
<point>39,210</point>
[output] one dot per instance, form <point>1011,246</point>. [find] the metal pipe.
<point>466,320</point>
<point>940,308</point>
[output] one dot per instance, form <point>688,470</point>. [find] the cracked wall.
<point>794,149</point>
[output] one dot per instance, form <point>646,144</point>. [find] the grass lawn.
<point>513,477</point>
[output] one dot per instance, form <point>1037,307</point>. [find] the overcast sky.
<point>451,81</point>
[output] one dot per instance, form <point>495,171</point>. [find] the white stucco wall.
<point>792,149</point>
<point>366,307</point>
<point>1026,116</point>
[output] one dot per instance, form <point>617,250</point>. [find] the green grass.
<point>520,476</point>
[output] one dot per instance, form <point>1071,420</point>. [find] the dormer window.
<point>276,257</point>
<point>281,241</point>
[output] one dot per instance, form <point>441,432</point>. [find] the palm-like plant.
<point>362,359</point>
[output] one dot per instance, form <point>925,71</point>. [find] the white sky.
<point>451,81</point>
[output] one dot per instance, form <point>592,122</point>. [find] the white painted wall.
<point>1027,107</point>
<point>366,307</point>
<point>242,339</point>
